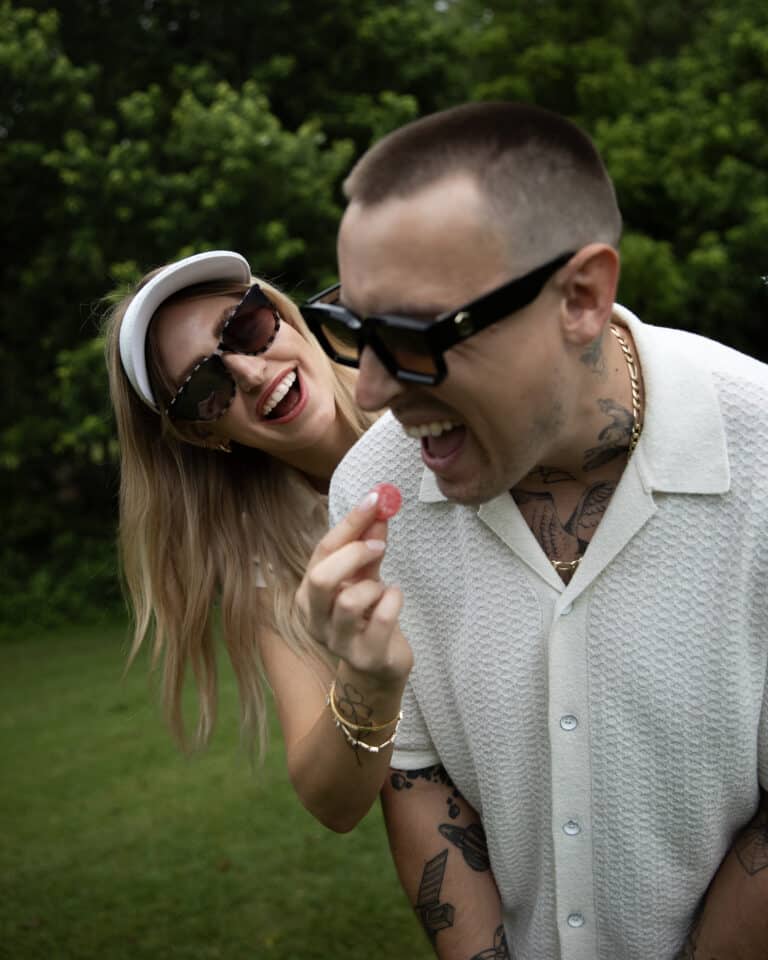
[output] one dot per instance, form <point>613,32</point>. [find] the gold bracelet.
<point>357,727</point>
<point>368,747</point>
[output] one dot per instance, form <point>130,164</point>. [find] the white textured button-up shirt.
<point>611,733</point>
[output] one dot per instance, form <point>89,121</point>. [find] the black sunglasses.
<point>209,390</point>
<point>411,348</point>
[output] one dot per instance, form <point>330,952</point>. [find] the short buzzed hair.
<point>542,178</point>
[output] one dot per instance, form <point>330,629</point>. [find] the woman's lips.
<point>303,397</point>
<point>265,405</point>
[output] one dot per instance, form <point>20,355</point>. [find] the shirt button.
<point>569,722</point>
<point>576,920</point>
<point>571,827</point>
<point>566,610</point>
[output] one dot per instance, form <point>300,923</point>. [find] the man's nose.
<point>375,387</point>
<point>247,372</point>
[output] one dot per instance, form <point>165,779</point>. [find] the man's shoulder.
<point>384,452</point>
<point>720,360</point>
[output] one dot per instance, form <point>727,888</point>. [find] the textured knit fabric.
<point>611,733</point>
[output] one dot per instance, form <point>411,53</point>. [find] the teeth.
<point>435,428</point>
<point>279,392</point>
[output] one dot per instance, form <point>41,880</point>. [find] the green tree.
<point>133,132</point>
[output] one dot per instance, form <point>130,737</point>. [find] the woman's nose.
<point>247,372</point>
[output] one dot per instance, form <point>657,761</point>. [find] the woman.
<point>231,421</point>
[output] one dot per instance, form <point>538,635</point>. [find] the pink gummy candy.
<point>390,500</point>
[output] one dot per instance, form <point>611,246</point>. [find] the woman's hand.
<point>347,606</point>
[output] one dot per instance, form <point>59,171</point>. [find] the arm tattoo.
<point>405,779</point>
<point>352,706</point>
<point>614,439</point>
<point>499,950</point>
<point>471,842</point>
<point>434,916</point>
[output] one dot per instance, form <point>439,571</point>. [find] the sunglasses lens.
<point>252,326</point>
<point>408,348</point>
<point>206,395</point>
<point>343,339</point>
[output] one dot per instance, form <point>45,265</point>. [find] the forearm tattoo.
<point>434,915</point>
<point>470,841</point>
<point>352,706</point>
<point>499,950</point>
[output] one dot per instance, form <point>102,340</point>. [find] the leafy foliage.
<point>135,132</point>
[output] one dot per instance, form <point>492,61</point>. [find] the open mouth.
<point>284,398</point>
<point>439,438</point>
<point>444,445</point>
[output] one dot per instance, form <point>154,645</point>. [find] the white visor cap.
<point>200,268</point>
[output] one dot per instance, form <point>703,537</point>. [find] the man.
<point>581,552</point>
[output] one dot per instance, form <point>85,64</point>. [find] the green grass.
<point>114,845</point>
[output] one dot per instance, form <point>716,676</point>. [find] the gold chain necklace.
<point>634,381</point>
<point>569,566</point>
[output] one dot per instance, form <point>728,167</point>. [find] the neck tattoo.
<point>569,566</point>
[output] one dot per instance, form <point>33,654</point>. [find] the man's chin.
<point>470,493</point>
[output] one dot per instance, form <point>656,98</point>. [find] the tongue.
<point>445,444</point>
<point>287,404</point>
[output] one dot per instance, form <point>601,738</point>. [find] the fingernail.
<point>377,546</point>
<point>368,501</point>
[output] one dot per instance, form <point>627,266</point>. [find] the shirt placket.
<point>571,780</point>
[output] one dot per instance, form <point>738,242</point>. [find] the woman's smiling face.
<point>284,399</point>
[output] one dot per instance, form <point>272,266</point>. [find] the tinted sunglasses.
<point>411,348</point>
<point>209,390</point>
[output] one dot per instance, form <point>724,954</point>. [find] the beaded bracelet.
<point>368,747</point>
<point>357,727</point>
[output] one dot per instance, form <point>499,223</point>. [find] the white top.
<point>610,733</point>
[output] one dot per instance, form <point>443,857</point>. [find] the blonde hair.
<point>193,521</point>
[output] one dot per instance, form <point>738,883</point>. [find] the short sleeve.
<point>414,749</point>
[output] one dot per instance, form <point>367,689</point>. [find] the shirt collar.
<point>682,448</point>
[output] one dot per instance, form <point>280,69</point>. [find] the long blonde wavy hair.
<point>192,523</point>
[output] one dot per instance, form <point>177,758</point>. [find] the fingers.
<point>348,608</point>
<point>378,647</point>
<point>378,530</point>
<point>353,604</point>
<point>353,526</point>
<point>384,615</point>
<point>328,576</point>
<point>364,620</point>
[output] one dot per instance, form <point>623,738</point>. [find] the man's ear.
<point>588,288</point>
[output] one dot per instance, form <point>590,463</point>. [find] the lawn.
<point>114,845</point>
